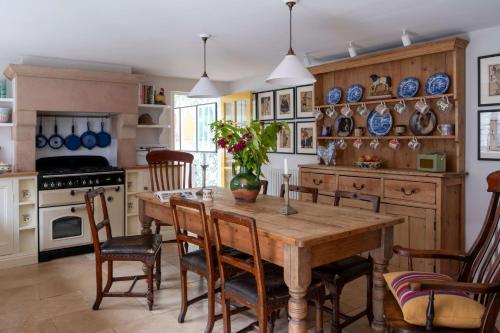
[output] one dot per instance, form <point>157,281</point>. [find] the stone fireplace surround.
<point>49,89</point>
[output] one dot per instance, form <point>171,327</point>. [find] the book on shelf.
<point>164,196</point>
<point>147,94</point>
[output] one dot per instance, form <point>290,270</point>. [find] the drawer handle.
<point>359,188</point>
<point>317,182</point>
<point>408,193</point>
<point>74,192</point>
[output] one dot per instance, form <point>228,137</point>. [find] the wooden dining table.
<point>318,234</point>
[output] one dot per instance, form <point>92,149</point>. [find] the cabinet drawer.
<point>412,191</point>
<point>323,182</point>
<point>360,185</point>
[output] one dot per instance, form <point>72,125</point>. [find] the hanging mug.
<point>357,143</point>
<point>374,144</point>
<point>414,144</point>
<point>394,144</point>
<point>382,108</point>
<point>342,144</point>
<point>362,110</point>
<point>444,104</point>
<point>330,112</point>
<point>318,114</point>
<point>422,106</point>
<point>346,110</point>
<point>400,107</point>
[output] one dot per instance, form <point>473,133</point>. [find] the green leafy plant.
<point>249,145</point>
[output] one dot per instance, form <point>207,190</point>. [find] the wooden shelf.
<point>6,100</point>
<point>153,106</point>
<point>388,100</point>
<point>389,137</point>
<point>6,124</point>
<point>152,126</point>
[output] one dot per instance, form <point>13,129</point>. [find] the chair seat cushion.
<point>145,245</point>
<point>197,261</point>
<point>244,286</point>
<point>343,271</point>
<point>452,309</point>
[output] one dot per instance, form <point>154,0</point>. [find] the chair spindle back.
<point>170,169</point>
<point>91,205</point>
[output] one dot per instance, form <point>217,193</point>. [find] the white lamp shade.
<point>204,88</point>
<point>291,72</point>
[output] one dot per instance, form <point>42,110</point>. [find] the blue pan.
<point>56,141</point>
<point>89,138</point>
<point>103,137</point>
<point>41,140</point>
<point>72,141</point>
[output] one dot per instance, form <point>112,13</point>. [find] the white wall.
<point>482,42</point>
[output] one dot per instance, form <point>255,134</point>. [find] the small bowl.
<point>5,168</point>
<point>369,165</point>
<point>5,115</point>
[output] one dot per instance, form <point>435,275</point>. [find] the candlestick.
<point>286,166</point>
<point>204,167</point>
<point>286,209</point>
<point>204,159</point>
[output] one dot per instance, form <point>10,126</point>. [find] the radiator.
<point>275,178</point>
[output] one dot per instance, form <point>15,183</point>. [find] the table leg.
<point>145,221</point>
<point>381,257</point>
<point>297,268</point>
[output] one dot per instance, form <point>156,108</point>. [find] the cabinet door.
<point>418,232</point>
<point>7,227</point>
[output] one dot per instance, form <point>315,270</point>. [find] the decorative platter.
<point>423,124</point>
<point>437,84</point>
<point>334,95</point>
<point>379,125</point>
<point>343,126</point>
<point>408,87</point>
<point>354,93</point>
<point>369,165</point>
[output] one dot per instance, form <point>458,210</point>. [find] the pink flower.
<point>222,143</point>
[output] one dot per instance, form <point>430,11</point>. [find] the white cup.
<point>208,194</point>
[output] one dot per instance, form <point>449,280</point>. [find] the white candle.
<point>204,159</point>
<point>286,166</point>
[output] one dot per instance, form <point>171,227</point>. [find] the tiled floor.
<point>57,296</point>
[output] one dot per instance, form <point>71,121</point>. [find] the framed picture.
<point>305,101</point>
<point>254,106</point>
<point>286,140</point>
<point>488,135</point>
<point>306,137</point>
<point>285,104</point>
<point>265,105</point>
<point>489,80</point>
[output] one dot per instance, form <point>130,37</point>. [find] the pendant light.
<point>204,88</point>
<point>291,71</point>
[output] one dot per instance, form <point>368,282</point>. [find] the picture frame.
<point>488,138</point>
<point>285,103</point>
<point>265,105</point>
<point>488,70</point>
<point>305,137</point>
<point>286,140</point>
<point>304,101</point>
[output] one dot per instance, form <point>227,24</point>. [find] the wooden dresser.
<point>431,203</point>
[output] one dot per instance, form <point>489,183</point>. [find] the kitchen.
<point>401,117</point>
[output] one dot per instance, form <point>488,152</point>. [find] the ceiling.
<point>249,36</point>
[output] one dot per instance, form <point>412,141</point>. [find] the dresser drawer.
<point>412,191</point>
<point>360,185</point>
<point>323,182</point>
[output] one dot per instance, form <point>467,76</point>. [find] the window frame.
<point>197,150</point>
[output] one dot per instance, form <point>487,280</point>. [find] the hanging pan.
<point>72,141</point>
<point>89,138</point>
<point>41,140</point>
<point>56,141</point>
<point>103,137</point>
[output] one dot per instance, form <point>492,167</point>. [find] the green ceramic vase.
<point>245,186</point>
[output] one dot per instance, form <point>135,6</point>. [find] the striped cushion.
<point>452,309</point>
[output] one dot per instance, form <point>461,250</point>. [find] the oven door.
<point>63,226</point>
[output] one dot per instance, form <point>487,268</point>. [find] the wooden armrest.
<point>431,254</point>
<point>475,288</point>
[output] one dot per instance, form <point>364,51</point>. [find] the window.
<point>192,118</point>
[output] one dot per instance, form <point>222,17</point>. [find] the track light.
<point>405,38</point>
<point>352,50</point>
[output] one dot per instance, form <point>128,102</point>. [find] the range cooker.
<point>63,223</point>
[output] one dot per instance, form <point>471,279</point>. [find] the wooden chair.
<point>201,262</point>
<point>261,287</point>
<point>143,248</point>
<point>169,170</point>
<point>264,184</point>
<point>479,276</point>
<point>337,274</point>
<point>301,189</point>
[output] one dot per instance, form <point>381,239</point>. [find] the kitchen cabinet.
<point>7,227</point>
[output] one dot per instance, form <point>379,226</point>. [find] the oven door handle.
<point>116,189</point>
<point>74,209</point>
<point>75,192</point>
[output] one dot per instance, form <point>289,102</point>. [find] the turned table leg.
<point>381,257</point>
<point>297,270</point>
<point>145,221</point>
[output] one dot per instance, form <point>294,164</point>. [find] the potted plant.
<point>249,146</point>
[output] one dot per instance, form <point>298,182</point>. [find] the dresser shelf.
<point>388,100</point>
<point>389,137</point>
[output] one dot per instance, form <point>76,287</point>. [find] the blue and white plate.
<point>334,95</point>
<point>408,87</point>
<point>437,84</point>
<point>354,93</point>
<point>379,125</point>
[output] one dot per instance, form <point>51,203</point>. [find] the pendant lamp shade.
<point>204,88</point>
<point>291,71</point>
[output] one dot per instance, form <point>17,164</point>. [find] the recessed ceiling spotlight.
<point>352,50</point>
<point>405,38</point>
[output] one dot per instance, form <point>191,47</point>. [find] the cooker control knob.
<point>119,179</point>
<point>52,184</point>
<point>59,184</point>
<point>70,183</point>
<point>90,182</point>
<point>45,185</point>
<point>84,182</point>
<point>97,182</point>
